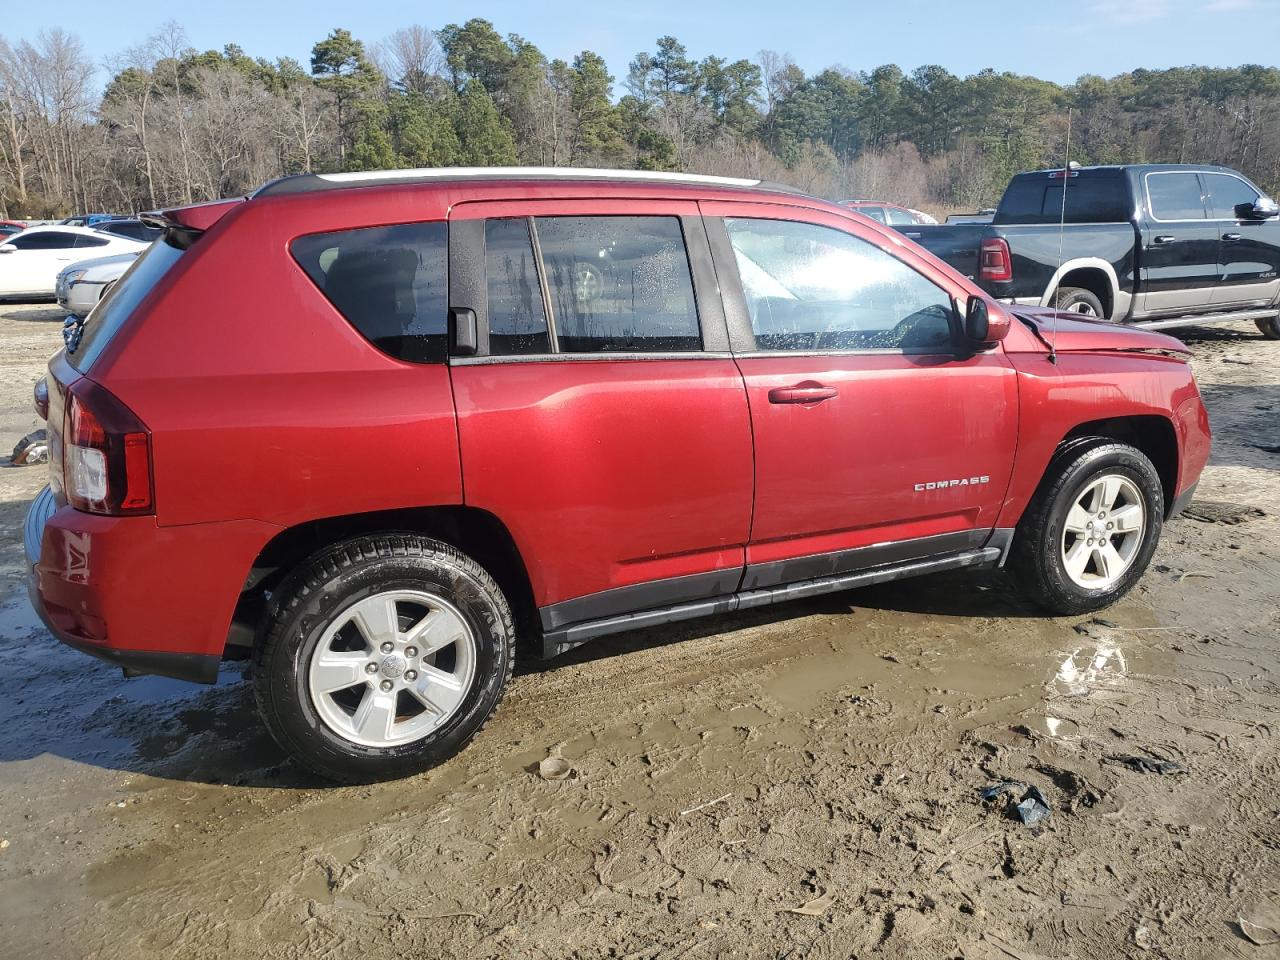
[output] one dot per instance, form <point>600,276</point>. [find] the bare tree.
<point>412,59</point>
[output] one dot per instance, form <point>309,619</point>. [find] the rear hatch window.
<point>1093,196</point>
<point>87,340</point>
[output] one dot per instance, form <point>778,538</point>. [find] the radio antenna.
<point>1062,230</point>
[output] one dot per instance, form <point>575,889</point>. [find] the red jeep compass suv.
<point>368,429</point>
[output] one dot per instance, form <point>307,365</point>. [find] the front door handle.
<point>1164,239</point>
<point>807,392</point>
<point>1231,237</point>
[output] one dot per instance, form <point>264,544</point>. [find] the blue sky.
<point>1057,41</point>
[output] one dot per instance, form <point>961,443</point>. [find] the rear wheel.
<point>1091,529</point>
<point>384,657</point>
<point>1078,300</point>
<point>1270,327</point>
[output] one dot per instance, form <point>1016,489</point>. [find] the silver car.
<point>80,286</point>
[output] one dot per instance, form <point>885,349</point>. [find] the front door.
<point>1179,259</point>
<point>1248,249</point>
<point>603,419</point>
<point>31,260</point>
<point>876,441</point>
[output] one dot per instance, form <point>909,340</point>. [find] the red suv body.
<point>593,401</point>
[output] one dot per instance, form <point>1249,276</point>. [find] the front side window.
<point>391,284</point>
<point>619,284</point>
<point>517,320</point>
<point>1229,194</point>
<point>810,287</point>
<point>1175,196</point>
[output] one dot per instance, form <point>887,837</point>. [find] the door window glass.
<point>517,320</point>
<point>84,240</point>
<point>810,287</point>
<point>900,218</point>
<point>619,284</point>
<point>1175,196</point>
<point>1227,193</point>
<point>45,240</point>
<point>389,282</point>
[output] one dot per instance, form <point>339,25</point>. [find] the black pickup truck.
<point>1163,245</point>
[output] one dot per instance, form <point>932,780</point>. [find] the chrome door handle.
<point>1231,237</point>
<point>1164,239</point>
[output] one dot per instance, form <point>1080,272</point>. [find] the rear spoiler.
<point>182,225</point>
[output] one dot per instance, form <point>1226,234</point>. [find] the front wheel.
<point>385,655</point>
<point>1091,529</point>
<point>1270,327</point>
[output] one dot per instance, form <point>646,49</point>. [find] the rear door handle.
<point>1164,239</point>
<point>807,392</point>
<point>1231,237</point>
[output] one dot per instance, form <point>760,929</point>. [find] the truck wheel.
<point>1090,530</point>
<point>1078,300</point>
<point>1270,328</point>
<point>384,656</point>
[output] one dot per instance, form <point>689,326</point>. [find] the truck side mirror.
<point>1264,208</point>
<point>981,325</point>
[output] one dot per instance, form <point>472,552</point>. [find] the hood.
<point>1072,333</point>
<point>120,260</point>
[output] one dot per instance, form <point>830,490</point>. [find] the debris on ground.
<point>814,908</point>
<point>31,449</point>
<point>1031,806</point>
<point>1147,764</point>
<point>1260,923</point>
<point>1222,511</point>
<point>554,768</point>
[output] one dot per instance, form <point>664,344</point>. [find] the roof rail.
<point>312,182</point>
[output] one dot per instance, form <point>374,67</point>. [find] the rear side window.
<point>517,319</point>
<point>1175,196</point>
<point>114,309</point>
<point>1091,198</point>
<point>84,240</point>
<point>389,282</point>
<point>900,218</point>
<point>619,284</point>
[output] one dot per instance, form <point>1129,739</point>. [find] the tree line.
<point>175,125</point>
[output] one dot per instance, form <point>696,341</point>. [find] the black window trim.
<point>742,335</point>
<point>468,290</point>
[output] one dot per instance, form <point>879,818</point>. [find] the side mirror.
<point>982,324</point>
<point>1264,208</point>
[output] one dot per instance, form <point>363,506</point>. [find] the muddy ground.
<point>799,782</point>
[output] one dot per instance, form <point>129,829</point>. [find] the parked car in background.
<point>80,286</point>
<point>1165,245</point>
<point>31,260</point>
<point>131,227</point>
<point>601,400</point>
<point>888,213</point>
<point>87,219</point>
<point>11,226</point>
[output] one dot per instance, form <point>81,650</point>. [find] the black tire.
<point>1270,327</point>
<point>1077,300</point>
<point>327,584</point>
<point>1036,559</point>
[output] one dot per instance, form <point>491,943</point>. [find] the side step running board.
<point>1264,313</point>
<point>558,641</point>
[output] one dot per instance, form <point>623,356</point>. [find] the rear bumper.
<point>151,599</point>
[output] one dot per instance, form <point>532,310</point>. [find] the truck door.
<point>1248,249</point>
<point>876,441</point>
<point>601,417</point>
<point>1179,262</point>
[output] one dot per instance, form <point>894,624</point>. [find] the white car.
<point>80,286</point>
<point>30,260</point>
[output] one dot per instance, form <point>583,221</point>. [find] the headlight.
<point>72,276</point>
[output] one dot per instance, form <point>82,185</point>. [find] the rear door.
<point>1179,262</point>
<point>1248,249</point>
<point>876,441</point>
<point>602,417</point>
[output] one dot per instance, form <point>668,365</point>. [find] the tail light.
<point>995,262</point>
<point>106,454</point>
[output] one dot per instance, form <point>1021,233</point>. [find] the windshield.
<point>87,340</point>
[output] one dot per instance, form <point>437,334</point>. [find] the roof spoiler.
<point>184,224</point>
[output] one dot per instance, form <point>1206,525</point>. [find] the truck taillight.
<point>996,263</point>
<point>106,454</point>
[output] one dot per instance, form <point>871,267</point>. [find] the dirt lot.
<point>800,782</point>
